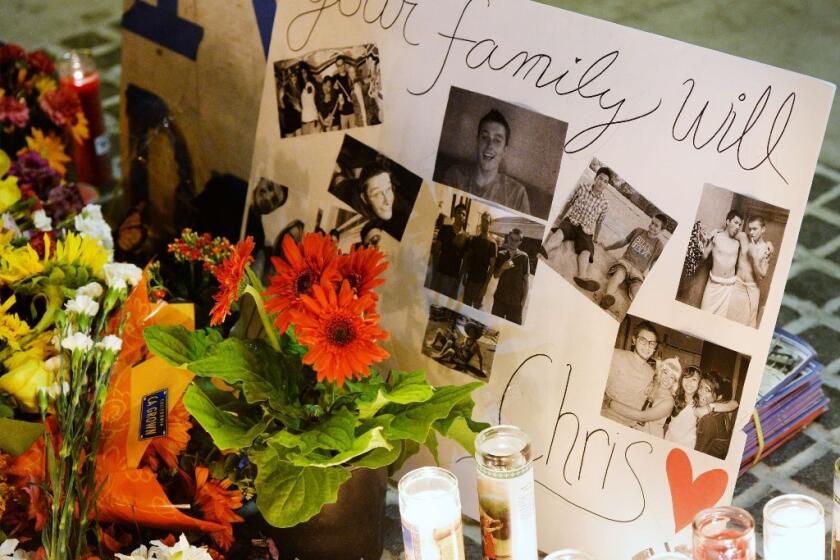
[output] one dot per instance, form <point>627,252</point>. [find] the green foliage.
<point>16,436</point>
<point>305,437</point>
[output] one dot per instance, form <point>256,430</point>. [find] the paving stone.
<point>108,89</point>
<point>831,419</point>
<point>756,508</point>
<point>820,185</point>
<point>97,16</point>
<point>813,285</point>
<point>786,315</point>
<point>815,232</point>
<point>818,475</point>
<point>826,341</point>
<point>744,483</point>
<point>86,40</point>
<point>109,59</point>
<point>790,449</point>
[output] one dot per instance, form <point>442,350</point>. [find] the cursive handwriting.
<point>303,25</point>
<point>721,133</point>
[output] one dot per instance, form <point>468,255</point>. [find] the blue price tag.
<point>153,415</point>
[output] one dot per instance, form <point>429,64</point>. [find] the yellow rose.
<point>24,381</point>
<point>9,192</point>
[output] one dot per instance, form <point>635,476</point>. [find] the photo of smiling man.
<point>500,152</point>
<point>379,189</point>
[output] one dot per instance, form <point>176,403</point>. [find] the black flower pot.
<point>350,529</point>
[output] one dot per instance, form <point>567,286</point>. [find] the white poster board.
<point>709,159</point>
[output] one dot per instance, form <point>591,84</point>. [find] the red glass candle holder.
<point>92,158</point>
<point>724,533</point>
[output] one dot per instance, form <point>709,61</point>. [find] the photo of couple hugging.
<point>674,386</point>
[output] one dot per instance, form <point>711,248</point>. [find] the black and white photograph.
<point>459,343</point>
<point>329,89</point>
<point>350,230</point>
<point>500,152</point>
<point>379,189</point>
<point>483,256</point>
<point>731,255</point>
<point>607,238</point>
<point>271,215</point>
<point>674,386</point>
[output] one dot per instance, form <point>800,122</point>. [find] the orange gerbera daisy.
<point>79,128</point>
<point>50,147</point>
<point>300,268</point>
<point>361,268</point>
<point>217,504</point>
<point>177,437</point>
<point>230,275</point>
<point>340,332</point>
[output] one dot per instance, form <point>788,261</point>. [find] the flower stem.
<point>258,301</point>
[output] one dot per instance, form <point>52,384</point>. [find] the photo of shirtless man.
<point>724,248</point>
<point>752,266</point>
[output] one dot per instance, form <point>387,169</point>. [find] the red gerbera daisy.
<point>61,106</point>
<point>217,503</point>
<point>340,332</point>
<point>300,268</point>
<point>361,268</point>
<point>229,274</point>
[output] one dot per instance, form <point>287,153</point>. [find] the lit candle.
<point>724,533</point>
<point>567,554</point>
<point>794,527</point>
<point>430,509</point>
<point>77,72</point>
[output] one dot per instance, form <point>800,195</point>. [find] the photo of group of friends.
<point>674,386</point>
<point>459,342</point>
<point>731,255</point>
<point>500,152</point>
<point>483,256</point>
<point>382,191</point>
<point>350,230</point>
<point>607,238</point>
<point>329,89</point>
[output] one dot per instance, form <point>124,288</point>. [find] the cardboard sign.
<point>596,221</point>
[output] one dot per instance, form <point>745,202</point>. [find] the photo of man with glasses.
<point>631,374</point>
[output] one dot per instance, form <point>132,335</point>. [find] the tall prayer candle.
<point>724,533</point>
<point>506,493</point>
<point>794,527</point>
<point>430,509</point>
<point>77,72</point>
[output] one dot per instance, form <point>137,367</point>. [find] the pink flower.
<point>14,111</point>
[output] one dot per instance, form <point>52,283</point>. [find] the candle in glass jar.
<point>723,533</point>
<point>567,554</point>
<point>430,509</point>
<point>794,527</point>
<point>78,73</point>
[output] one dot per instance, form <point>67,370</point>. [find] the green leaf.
<point>288,495</point>
<point>403,388</point>
<point>415,420</point>
<point>336,433</point>
<point>380,457</point>
<point>460,431</point>
<point>265,375</point>
<point>16,436</point>
<point>432,444</point>
<point>409,448</point>
<point>372,439</point>
<point>179,346</point>
<point>228,429</point>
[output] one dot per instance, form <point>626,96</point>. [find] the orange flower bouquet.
<point>301,403</point>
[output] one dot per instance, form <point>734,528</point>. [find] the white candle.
<point>567,554</point>
<point>430,508</point>
<point>794,528</point>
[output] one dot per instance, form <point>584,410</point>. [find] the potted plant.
<point>301,403</point>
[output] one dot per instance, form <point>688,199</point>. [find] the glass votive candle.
<point>723,533</point>
<point>794,527</point>
<point>567,554</point>
<point>670,556</point>
<point>430,510</point>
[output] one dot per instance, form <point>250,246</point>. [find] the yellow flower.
<point>39,348</point>
<point>44,84</point>
<point>50,147</point>
<point>24,381</point>
<point>9,192</point>
<point>19,263</point>
<point>80,129</point>
<point>77,250</point>
<point>5,163</point>
<point>12,327</point>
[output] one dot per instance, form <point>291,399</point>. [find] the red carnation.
<point>14,111</point>
<point>11,53</point>
<point>61,106</point>
<point>41,61</point>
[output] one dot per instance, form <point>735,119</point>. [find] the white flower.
<point>83,305</point>
<point>42,221</point>
<point>57,389</point>
<point>182,550</point>
<point>9,224</point>
<point>53,364</point>
<point>93,289</point>
<point>8,551</point>
<point>110,342</point>
<point>139,554</point>
<point>77,341</point>
<point>89,222</point>
<point>122,275</point>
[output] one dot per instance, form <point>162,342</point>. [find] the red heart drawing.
<point>689,495</point>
